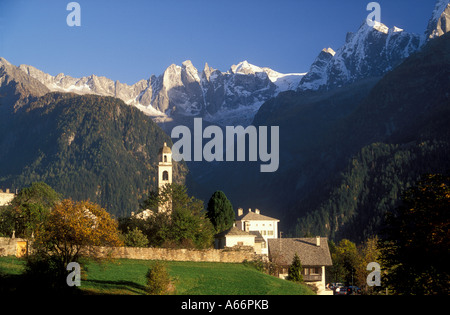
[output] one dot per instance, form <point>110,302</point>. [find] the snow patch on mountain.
<point>221,97</point>
<point>371,52</point>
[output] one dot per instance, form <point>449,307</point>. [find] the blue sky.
<point>131,40</point>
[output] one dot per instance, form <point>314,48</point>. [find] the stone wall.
<point>14,247</point>
<point>208,255</point>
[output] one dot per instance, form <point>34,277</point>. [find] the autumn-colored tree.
<point>367,253</point>
<point>345,256</point>
<point>74,229</point>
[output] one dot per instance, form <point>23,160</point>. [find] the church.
<point>164,174</point>
<point>164,178</point>
<point>260,232</point>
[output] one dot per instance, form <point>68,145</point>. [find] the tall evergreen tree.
<point>295,270</point>
<point>220,211</point>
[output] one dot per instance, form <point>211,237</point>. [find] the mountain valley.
<point>360,127</point>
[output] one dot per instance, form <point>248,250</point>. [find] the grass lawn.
<point>124,276</point>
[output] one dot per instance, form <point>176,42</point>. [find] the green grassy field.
<point>125,276</point>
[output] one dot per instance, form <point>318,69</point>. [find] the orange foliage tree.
<point>74,229</point>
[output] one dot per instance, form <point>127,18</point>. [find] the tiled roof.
<point>165,149</point>
<point>283,250</point>
<point>259,237</point>
<point>252,216</point>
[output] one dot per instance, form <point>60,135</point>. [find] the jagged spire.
<point>439,23</point>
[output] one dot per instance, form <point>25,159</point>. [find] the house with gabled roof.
<point>314,256</point>
<point>232,237</point>
<point>261,225</point>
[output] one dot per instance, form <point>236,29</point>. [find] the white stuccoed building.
<point>262,226</point>
<point>6,197</point>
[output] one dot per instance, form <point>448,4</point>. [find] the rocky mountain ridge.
<point>220,97</point>
<point>371,52</point>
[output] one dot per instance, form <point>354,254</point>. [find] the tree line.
<point>63,231</point>
<point>411,248</point>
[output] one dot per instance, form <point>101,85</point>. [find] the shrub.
<point>158,280</point>
<point>135,238</point>
<point>45,273</point>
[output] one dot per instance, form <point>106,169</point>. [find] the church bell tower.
<point>164,173</point>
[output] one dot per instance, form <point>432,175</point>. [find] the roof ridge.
<point>256,216</point>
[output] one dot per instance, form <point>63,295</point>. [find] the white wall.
<point>6,198</point>
<point>268,230</point>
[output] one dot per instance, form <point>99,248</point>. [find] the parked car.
<point>341,291</point>
<point>334,285</point>
<point>353,290</point>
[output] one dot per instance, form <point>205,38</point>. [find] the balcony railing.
<point>312,277</point>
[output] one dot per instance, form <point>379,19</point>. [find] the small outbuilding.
<point>235,237</point>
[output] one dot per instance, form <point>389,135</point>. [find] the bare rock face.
<point>439,23</point>
<point>317,75</point>
<point>17,88</point>
<point>223,97</point>
<point>372,52</point>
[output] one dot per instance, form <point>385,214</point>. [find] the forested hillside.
<point>376,136</point>
<point>85,147</point>
<point>373,185</point>
<point>403,129</point>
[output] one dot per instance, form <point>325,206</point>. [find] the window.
<point>165,175</point>
<point>165,158</point>
<point>311,271</point>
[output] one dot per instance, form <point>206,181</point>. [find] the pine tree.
<point>220,211</point>
<point>295,270</point>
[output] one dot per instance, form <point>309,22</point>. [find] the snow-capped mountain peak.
<point>380,27</point>
<point>371,52</point>
<point>223,97</point>
<point>439,23</point>
<point>245,67</point>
